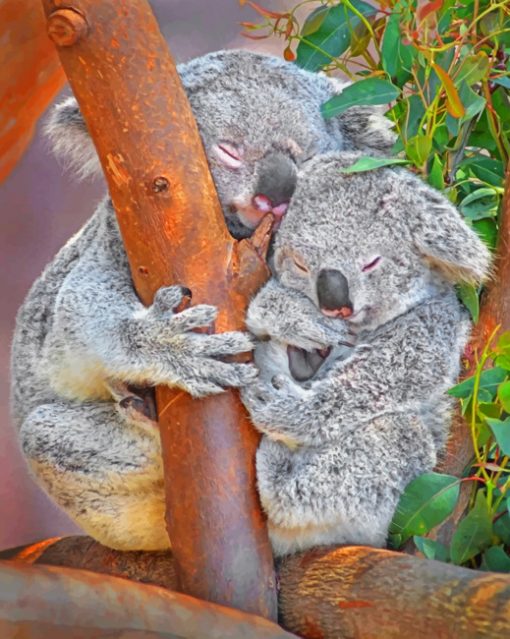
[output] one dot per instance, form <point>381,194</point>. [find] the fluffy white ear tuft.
<point>364,128</point>
<point>446,241</point>
<point>70,140</point>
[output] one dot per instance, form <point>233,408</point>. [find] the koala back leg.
<point>344,492</point>
<point>104,470</point>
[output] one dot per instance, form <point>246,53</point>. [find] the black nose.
<point>333,292</point>
<point>277,178</point>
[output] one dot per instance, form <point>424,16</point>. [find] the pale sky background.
<point>40,208</point>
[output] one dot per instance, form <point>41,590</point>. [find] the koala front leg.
<point>290,317</point>
<point>101,331</point>
<point>345,492</point>
<point>104,471</point>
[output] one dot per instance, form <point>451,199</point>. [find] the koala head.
<point>259,118</point>
<point>367,247</point>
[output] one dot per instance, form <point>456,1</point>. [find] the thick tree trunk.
<point>30,76</point>
<point>172,225</point>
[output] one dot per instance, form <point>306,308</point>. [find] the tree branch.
<point>173,230</point>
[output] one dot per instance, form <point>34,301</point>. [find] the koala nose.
<point>263,204</point>
<point>333,293</point>
<point>276,183</point>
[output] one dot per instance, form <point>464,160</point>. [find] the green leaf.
<point>502,528</point>
<point>501,431</point>
<point>474,533</point>
<point>468,295</point>
<point>489,381</point>
<point>495,559</point>
<point>503,361</point>
<point>504,396</point>
<point>488,231</point>
<point>478,194</point>
<point>418,149</point>
<point>327,33</point>
<point>489,409</point>
<point>370,163</point>
<point>473,103</point>
<point>369,91</point>
<point>425,503</point>
<point>397,57</point>
<point>431,548</point>
<point>436,178</point>
<point>486,169</point>
<point>503,80</point>
<point>473,69</point>
<point>314,21</point>
<point>504,342</point>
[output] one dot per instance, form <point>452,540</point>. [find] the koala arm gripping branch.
<point>409,363</point>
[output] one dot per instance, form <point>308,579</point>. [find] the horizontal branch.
<point>352,591</point>
<point>44,601</point>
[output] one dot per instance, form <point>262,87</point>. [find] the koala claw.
<point>216,376</point>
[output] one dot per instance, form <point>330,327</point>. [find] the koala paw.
<point>275,405</point>
<point>168,350</point>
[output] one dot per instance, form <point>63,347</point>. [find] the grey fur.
<point>339,449</point>
<point>82,336</point>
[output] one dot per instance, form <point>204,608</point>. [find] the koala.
<point>361,336</point>
<point>83,340</point>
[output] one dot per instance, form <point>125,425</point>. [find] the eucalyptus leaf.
<point>327,33</point>
<point>431,548</point>
<point>489,381</point>
<point>369,163</point>
<point>468,295</point>
<point>488,231</point>
<point>436,178</point>
<point>504,395</point>
<point>396,57</point>
<point>501,431</point>
<point>426,502</point>
<point>369,91</point>
<point>495,559</point>
<point>502,528</point>
<point>474,533</point>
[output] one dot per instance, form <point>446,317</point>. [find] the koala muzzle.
<point>333,294</point>
<point>276,184</point>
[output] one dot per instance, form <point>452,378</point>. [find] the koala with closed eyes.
<point>361,336</point>
<point>82,336</point>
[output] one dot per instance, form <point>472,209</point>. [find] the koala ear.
<point>446,241</point>
<point>70,140</point>
<point>364,128</point>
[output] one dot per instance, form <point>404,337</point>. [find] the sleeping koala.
<point>82,336</point>
<point>352,414</point>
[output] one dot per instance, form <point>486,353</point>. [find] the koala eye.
<point>299,265</point>
<point>229,155</point>
<point>372,264</point>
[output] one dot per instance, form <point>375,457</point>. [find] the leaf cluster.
<point>442,69</point>
<point>482,538</point>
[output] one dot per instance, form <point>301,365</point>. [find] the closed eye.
<point>371,265</point>
<point>300,265</point>
<point>228,155</point>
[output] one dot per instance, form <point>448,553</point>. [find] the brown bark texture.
<point>125,81</point>
<point>43,602</point>
<point>30,77</point>
<point>331,593</point>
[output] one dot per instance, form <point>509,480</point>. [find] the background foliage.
<point>442,69</point>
